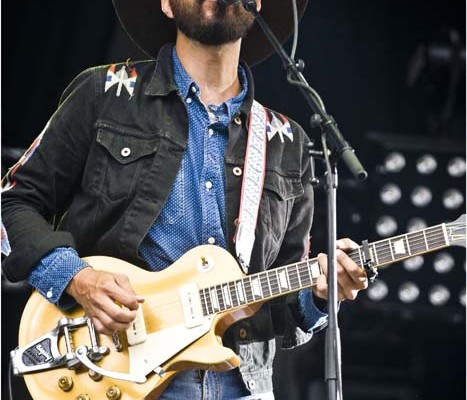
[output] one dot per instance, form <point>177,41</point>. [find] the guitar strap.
<point>252,185</point>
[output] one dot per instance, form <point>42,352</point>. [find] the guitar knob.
<point>83,397</point>
<point>95,376</point>
<point>113,393</point>
<point>65,383</point>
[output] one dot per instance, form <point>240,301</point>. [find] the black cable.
<point>10,376</point>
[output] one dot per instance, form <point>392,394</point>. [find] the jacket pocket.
<point>118,160</point>
<point>277,201</point>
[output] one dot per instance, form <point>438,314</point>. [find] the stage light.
<point>378,290</point>
<point>408,292</point>
<point>386,226</point>
<point>426,164</point>
<point>416,224</point>
<point>439,295</point>
<point>417,182</point>
<point>413,264</point>
<point>390,194</point>
<point>443,262</point>
<point>452,199</point>
<point>456,167</point>
<point>394,162</point>
<point>421,196</point>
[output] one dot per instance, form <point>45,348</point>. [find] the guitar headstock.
<point>456,232</point>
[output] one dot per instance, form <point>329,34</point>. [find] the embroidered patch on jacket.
<point>280,127</point>
<point>9,182</point>
<point>6,248</point>
<point>125,77</point>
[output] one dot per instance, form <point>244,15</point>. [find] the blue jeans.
<point>210,385</point>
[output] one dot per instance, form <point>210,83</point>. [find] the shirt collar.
<point>188,87</point>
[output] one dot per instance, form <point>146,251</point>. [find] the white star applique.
<point>281,128</point>
<point>122,79</point>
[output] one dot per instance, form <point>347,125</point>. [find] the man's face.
<point>209,22</point>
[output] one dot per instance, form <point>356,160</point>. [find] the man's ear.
<point>166,9</point>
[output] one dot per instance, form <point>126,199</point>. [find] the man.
<point>145,161</point>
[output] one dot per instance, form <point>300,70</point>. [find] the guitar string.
<point>381,247</point>
<point>302,270</point>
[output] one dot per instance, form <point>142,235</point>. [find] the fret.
<point>214,299</point>
<point>445,234</point>
<point>241,291</point>
<point>248,291</point>
<point>359,253</point>
<point>299,281</point>
<point>274,282</point>
<point>417,242</point>
<point>375,255</point>
<point>283,281</point>
<point>256,286</point>
<point>435,237</point>
<point>203,302</point>
<point>308,268</point>
<point>426,241</point>
<point>305,276</point>
<point>384,253</point>
<point>207,297</point>
<point>407,245</point>
<point>398,246</point>
<point>234,294</point>
<point>264,283</point>
<point>220,297</point>
<point>390,248</point>
<point>292,276</point>
<point>227,298</point>
<point>269,284</point>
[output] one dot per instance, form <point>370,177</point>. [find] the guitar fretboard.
<point>290,278</point>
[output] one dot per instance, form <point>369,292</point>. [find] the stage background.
<point>372,63</point>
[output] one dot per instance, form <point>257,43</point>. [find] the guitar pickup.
<point>191,304</point>
<point>136,333</point>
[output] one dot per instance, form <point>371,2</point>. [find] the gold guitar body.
<point>168,338</point>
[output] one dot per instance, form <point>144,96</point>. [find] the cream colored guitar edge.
<point>180,325</point>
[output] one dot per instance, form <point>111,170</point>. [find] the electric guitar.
<point>188,307</point>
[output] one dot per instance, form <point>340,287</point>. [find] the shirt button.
<point>251,384</point>
<point>189,100</point>
<point>208,185</point>
<point>193,89</point>
<point>211,131</point>
<point>237,121</point>
<point>126,151</point>
<point>211,240</point>
<point>242,333</point>
<point>49,294</point>
<point>237,171</point>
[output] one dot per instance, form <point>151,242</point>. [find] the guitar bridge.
<point>43,353</point>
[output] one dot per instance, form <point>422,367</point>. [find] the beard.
<point>223,27</point>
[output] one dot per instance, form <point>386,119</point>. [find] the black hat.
<point>150,28</point>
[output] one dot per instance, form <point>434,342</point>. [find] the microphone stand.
<point>338,148</point>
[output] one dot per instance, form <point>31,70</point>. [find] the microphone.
<point>228,2</point>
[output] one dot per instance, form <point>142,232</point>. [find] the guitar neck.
<point>290,278</point>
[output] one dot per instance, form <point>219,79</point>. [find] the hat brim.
<point>150,28</point>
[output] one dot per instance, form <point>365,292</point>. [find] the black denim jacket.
<point>79,189</point>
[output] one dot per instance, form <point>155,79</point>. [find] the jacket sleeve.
<point>37,190</point>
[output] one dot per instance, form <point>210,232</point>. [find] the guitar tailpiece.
<point>43,353</point>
